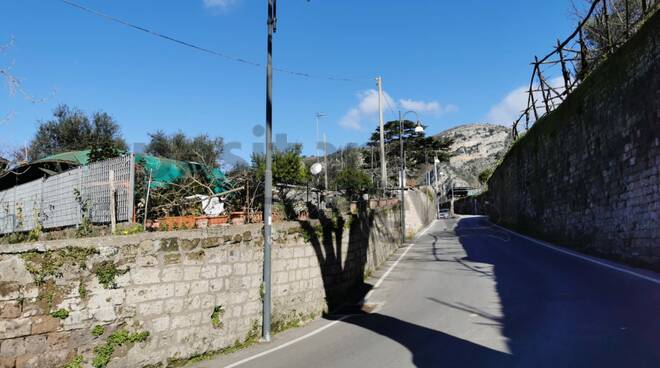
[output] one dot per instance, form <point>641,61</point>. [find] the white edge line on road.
<point>380,280</point>
<point>586,258</point>
<point>320,329</point>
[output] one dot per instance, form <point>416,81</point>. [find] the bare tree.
<point>13,83</point>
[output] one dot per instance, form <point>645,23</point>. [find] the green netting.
<point>164,171</point>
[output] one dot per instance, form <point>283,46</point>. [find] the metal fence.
<point>62,200</point>
<point>606,25</point>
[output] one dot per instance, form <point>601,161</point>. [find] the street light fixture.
<point>418,129</point>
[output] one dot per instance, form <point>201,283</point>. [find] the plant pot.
<point>218,220</point>
<point>178,222</point>
<point>238,217</point>
<point>256,217</point>
<point>201,222</point>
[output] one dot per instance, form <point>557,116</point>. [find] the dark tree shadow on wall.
<point>342,270</point>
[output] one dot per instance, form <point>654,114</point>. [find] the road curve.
<point>469,294</point>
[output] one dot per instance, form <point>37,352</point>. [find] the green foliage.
<point>49,264</point>
<point>251,339</point>
<point>82,290</point>
<point>85,227</point>
<point>100,151</point>
<point>354,182</point>
<point>130,229</point>
<point>106,272</point>
<point>417,146</point>
<point>485,175</point>
<point>118,338</point>
<point>36,232</point>
<point>288,166</point>
<point>75,362</point>
<point>281,325</point>
<point>98,330</point>
<point>216,316</point>
<point>17,237</point>
<point>60,313</point>
<point>178,146</point>
<point>72,129</point>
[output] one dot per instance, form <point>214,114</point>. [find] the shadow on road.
<point>431,348</point>
<point>559,311</point>
<point>555,312</point>
<point>343,280</point>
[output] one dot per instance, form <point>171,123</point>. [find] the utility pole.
<point>403,189</point>
<point>318,115</point>
<point>383,163</point>
<point>325,160</point>
<point>435,185</point>
<point>268,186</point>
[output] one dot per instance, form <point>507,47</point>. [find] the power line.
<point>387,101</point>
<point>201,48</point>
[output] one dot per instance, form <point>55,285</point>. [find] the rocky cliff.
<point>476,147</point>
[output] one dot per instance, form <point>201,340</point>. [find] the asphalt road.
<point>478,296</point>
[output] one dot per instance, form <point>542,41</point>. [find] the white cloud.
<point>512,105</point>
<point>431,107</point>
<point>509,109</point>
<point>367,109</point>
<point>220,4</point>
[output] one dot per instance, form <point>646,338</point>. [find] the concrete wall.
<point>170,283</point>
<point>587,175</point>
<point>420,209</point>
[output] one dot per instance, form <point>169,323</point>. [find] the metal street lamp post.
<point>435,185</point>
<point>268,182</point>
<point>418,129</point>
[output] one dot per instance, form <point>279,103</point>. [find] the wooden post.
<point>514,131</point>
<point>608,36</point>
<point>538,72</point>
<point>146,201</point>
<point>564,71</point>
<point>113,210</point>
<point>627,28</point>
<point>531,93</point>
<point>583,56</point>
<point>527,119</point>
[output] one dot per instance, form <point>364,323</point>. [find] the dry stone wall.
<point>152,299</point>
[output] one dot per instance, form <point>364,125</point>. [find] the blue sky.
<point>455,62</point>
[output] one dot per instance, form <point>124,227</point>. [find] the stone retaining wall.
<point>193,292</point>
<point>587,175</point>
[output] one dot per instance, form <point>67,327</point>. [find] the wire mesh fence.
<point>62,200</point>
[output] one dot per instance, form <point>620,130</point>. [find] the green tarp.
<point>164,171</point>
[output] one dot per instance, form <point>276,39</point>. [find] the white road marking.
<point>253,357</point>
<point>303,337</point>
<point>380,280</point>
<point>586,258</point>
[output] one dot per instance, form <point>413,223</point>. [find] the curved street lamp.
<point>418,129</point>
